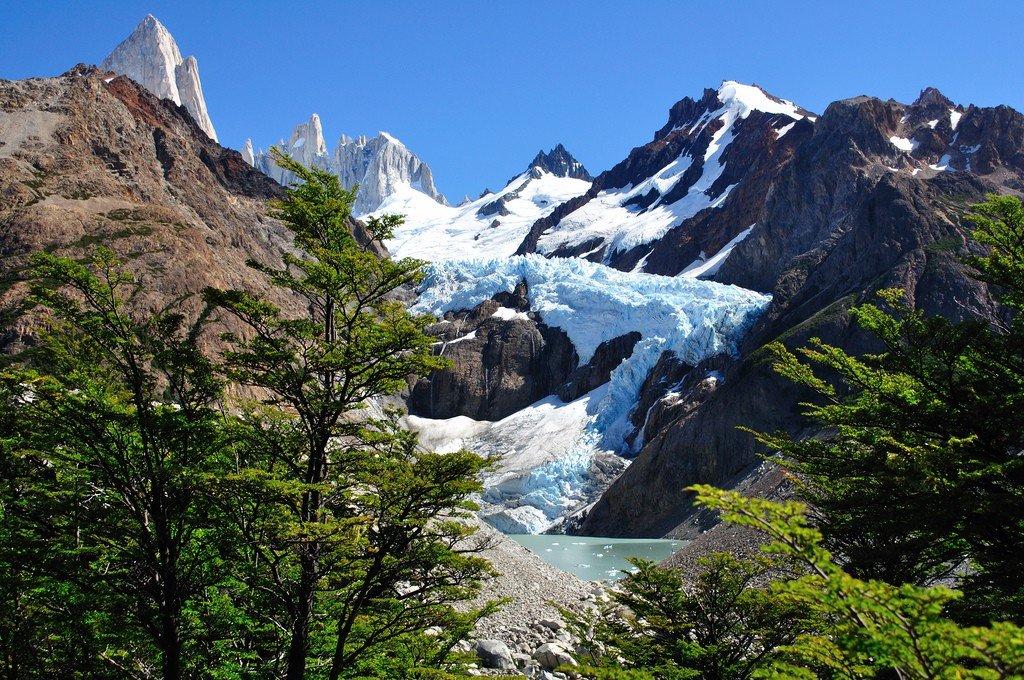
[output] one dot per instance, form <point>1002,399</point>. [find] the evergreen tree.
<point>719,624</point>
<point>104,504</point>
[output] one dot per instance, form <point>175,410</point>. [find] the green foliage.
<point>352,533</point>
<point>869,625</point>
<point>723,625</point>
<point>114,437</point>
<point>919,465</point>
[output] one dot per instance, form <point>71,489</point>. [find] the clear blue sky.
<point>476,88</point>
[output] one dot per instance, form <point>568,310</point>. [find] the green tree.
<point>721,624</point>
<point>867,627</point>
<point>116,439</point>
<point>353,528</point>
<point>919,466</point>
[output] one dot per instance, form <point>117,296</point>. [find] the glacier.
<point>546,451</point>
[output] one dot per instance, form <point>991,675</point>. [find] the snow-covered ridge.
<point>434,232</point>
<point>547,449</point>
<point>614,219</point>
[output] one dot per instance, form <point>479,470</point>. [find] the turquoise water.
<point>592,558</point>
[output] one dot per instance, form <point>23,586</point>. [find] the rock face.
<point>150,57</point>
<point>381,166</point>
<point>560,163</point>
<point>875,198</point>
<point>84,162</point>
<point>686,197</point>
<point>501,362</point>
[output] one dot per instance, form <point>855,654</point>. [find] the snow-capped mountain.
<point>679,203</point>
<point>150,57</point>
<point>381,166</point>
<point>495,223</point>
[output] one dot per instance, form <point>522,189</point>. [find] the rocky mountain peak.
<point>930,97</point>
<point>560,163</point>
<point>380,166</point>
<point>151,57</point>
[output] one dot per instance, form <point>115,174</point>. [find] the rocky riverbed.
<point>528,636</point>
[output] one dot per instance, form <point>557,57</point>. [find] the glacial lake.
<point>594,558</point>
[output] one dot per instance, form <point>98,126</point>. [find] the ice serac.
<point>150,57</point>
<point>682,198</point>
<point>495,223</point>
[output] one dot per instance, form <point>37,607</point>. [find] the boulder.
<point>551,655</point>
<point>494,654</point>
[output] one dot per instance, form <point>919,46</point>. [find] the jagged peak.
<point>150,56</point>
<point>561,163</point>
<point>731,99</point>
<point>930,96</point>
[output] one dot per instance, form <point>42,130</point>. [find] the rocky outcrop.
<point>150,57</point>
<point>380,166</point>
<point>598,370</point>
<point>874,199</point>
<point>503,359</point>
<point>560,163</point>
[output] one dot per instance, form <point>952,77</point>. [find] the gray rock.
<point>494,654</point>
<point>551,655</point>
<point>150,57</point>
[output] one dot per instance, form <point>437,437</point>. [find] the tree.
<point>353,528</point>
<point>919,466</point>
<point>720,624</point>
<point>115,437</point>
<point>866,627</point>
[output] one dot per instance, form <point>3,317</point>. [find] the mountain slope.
<point>87,159</point>
<point>681,199</point>
<point>495,223</point>
<point>150,57</point>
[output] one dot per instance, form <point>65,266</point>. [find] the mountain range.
<point>607,332</point>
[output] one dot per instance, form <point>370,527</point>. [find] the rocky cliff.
<point>687,196</point>
<point>150,57</point>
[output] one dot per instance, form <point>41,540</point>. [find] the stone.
<point>551,655</point>
<point>494,654</point>
<point>150,57</point>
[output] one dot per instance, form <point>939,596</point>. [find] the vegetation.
<point>148,531</point>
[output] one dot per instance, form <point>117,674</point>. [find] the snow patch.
<point>954,118</point>
<point>704,266</point>
<point>903,144</point>
<point>509,314</point>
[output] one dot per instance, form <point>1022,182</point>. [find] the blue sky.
<point>476,88</point>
